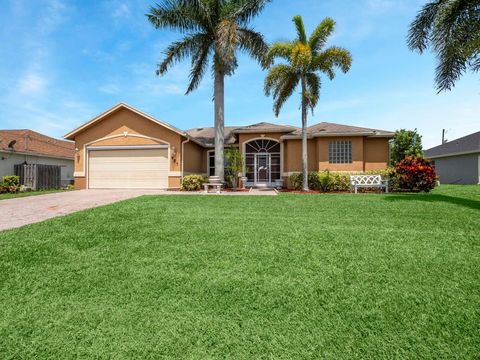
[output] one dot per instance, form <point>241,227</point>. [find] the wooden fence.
<point>39,177</point>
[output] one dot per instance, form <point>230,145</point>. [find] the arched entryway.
<point>262,161</point>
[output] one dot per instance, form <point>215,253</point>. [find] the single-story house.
<point>27,146</point>
<point>457,161</point>
<point>126,148</point>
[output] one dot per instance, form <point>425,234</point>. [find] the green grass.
<point>27,193</point>
<point>294,276</point>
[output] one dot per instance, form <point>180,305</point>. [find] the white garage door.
<point>128,169</point>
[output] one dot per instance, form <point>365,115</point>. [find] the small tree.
<point>235,165</point>
<point>405,143</point>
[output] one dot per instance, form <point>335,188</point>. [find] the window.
<point>211,163</point>
<point>340,152</point>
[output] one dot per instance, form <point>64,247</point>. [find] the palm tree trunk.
<point>219,124</point>
<point>304,137</point>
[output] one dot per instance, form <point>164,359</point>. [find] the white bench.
<point>368,181</point>
<point>214,182</point>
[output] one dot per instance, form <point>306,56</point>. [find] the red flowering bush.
<point>416,174</point>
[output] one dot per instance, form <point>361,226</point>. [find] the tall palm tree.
<point>452,29</point>
<point>305,60</point>
<point>213,32</point>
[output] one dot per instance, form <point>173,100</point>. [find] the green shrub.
<point>193,182</point>
<point>327,181</point>
<point>11,180</point>
<point>10,184</point>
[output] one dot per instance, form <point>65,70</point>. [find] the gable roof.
<point>265,127</point>
<point>464,145</point>
<point>71,135</point>
<point>34,143</point>
<point>206,136</point>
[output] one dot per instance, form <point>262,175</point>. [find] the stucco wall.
<point>376,153</point>
<point>193,160</point>
<point>136,128</point>
<point>463,169</point>
<point>293,155</point>
<point>9,160</point>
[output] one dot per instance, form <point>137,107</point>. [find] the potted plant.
<point>235,165</point>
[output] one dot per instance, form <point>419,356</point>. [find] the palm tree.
<point>213,32</point>
<point>305,58</point>
<point>452,29</point>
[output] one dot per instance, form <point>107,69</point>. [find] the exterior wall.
<point>194,159</point>
<point>138,131</point>
<point>357,154</point>
<point>9,160</point>
<point>462,169</point>
<point>293,156</point>
<point>376,153</point>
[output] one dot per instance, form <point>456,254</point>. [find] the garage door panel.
<point>128,168</point>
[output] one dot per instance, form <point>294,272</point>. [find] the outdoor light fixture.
<point>173,152</point>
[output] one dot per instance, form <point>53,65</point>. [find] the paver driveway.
<point>22,211</point>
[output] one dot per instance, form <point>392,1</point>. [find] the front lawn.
<point>292,276</point>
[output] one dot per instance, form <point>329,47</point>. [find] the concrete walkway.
<point>31,209</point>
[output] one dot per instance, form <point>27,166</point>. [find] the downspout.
<point>183,151</point>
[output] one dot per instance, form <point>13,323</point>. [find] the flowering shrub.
<point>193,182</point>
<point>416,174</point>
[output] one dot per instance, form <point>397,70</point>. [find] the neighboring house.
<point>27,146</point>
<point>126,148</point>
<point>457,161</point>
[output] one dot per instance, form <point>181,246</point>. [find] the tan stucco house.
<point>126,148</point>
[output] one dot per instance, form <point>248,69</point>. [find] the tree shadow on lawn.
<point>433,198</point>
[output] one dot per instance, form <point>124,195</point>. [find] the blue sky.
<point>64,61</point>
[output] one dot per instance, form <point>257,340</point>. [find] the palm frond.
<point>199,66</point>
<point>332,57</point>
<point>418,35</point>
<point>302,36</point>
<point>280,82</point>
<point>313,83</point>
<point>278,50</point>
<point>226,40</point>
<point>321,34</point>
<point>245,10</point>
<point>182,15</point>
<point>179,50</point>
<point>253,43</point>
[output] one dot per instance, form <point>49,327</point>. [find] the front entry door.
<point>262,168</point>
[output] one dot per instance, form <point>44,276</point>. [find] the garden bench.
<point>215,183</point>
<point>368,181</point>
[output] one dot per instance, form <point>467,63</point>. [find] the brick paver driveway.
<point>22,211</point>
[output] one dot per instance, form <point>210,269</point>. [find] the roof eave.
<point>453,154</point>
<point>71,135</point>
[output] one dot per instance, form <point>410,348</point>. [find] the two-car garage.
<point>128,167</point>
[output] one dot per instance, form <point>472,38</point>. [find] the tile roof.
<point>31,142</point>
<point>206,136</point>
<point>466,144</point>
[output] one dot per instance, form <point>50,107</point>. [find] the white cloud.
<point>32,83</point>
<point>121,10</point>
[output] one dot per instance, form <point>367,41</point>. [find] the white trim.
<point>453,154</point>
<point>78,174</point>
<point>125,106</point>
<point>261,138</point>
<point>87,145</point>
<point>87,150</point>
<point>127,147</point>
<point>175,173</point>
<point>208,162</point>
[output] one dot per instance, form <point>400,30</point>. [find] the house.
<point>126,148</point>
<point>27,146</point>
<point>457,161</point>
